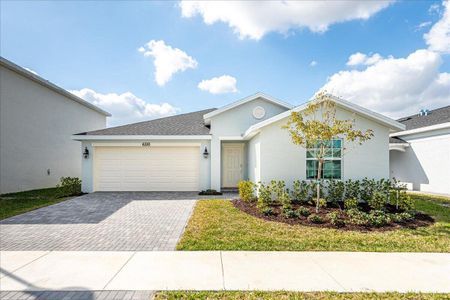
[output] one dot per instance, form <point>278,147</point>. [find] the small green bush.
<point>352,189</point>
<point>303,211</point>
<point>300,191</point>
<point>357,217</point>
<point>264,197</point>
<point>378,218</point>
<point>405,202</point>
<point>69,186</point>
<point>378,201</point>
<point>351,203</point>
<point>285,200</point>
<point>246,190</point>
<point>336,218</point>
<point>290,214</point>
<point>268,211</point>
<point>402,217</point>
<point>335,191</point>
<point>316,219</point>
<point>322,203</point>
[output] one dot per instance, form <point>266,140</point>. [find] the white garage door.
<point>146,168</point>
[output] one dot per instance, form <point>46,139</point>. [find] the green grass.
<point>18,203</point>
<point>218,225</point>
<point>296,295</point>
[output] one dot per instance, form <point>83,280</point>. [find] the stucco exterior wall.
<point>280,159</point>
<point>36,124</point>
<point>254,159</point>
<point>425,164</point>
<point>233,123</point>
<point>88,164</point>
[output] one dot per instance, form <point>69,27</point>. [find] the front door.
<point>232,167</point>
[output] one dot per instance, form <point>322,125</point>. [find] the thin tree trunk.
<point>319,171</point>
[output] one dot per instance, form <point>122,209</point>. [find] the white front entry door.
<point>232,167</point>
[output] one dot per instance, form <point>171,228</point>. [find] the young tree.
<point>316,126</point>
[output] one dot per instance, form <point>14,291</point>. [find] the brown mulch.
<point>250,208</point>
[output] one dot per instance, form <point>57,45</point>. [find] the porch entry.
<point>232,164</point>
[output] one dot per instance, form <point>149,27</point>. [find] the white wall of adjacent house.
<point>425,164</point>
<point>280,159</point>
<point>36,124</point>
<point>150,165</point>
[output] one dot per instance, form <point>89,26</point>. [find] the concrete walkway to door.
<point>225,270</point>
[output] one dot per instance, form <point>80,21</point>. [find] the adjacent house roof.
<point>183,124</point>
<point>13,67</point>
<point>434,117</point>
<point>245,100</point>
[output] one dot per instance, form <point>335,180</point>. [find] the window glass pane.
<point>336,143</point>
<point>311,153</point>
<point>328,152</point>
<point>337,153</point>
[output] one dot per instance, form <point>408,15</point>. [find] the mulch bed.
<point>250,208</point>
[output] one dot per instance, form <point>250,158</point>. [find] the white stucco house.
<point>215,148</point>
<point>420,154</point>
<point>37,119</point>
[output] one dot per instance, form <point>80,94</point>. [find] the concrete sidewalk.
<point>225,270</point>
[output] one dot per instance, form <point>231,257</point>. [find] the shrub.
<point>336,218</point>
<point>378,218</point>
<point>351,203</point>
<point>246,190</point>
<point>267,211</point>
<point>352,189</point>
<point>285,200</point>
<point>300,191</point>
<point>69,186</point>
<point>264,197</point>
<point>312,193</point>
<point>405,202</point>
<point>402,217</point>
<point>322,203</point>
<point>367,188</point>
<point>289,213</point>
<point>316,219</point>
<point>378,201</point>
<point>357,217</point>
<point>278,189</point>
<point>303,211</point>
<point>335,191</point>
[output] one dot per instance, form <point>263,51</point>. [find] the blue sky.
<point>91,48</point>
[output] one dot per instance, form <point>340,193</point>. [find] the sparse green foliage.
<point>300,191</point>
<point>69,186</point>
<point>352,188</point>
<point>267,211</point>
<point>351,203</point>
<point>316,219</point>
<point>336,218</point>
<point>264,196</point>
<point>285,200</point>
<point>303,211</point>
<point>290,214</point>
<point>378,218</point>
<point>378,201</point>
<point>246,190</point>
<point>335,191</point>
<point>317,125</point>
<point>357,217</point>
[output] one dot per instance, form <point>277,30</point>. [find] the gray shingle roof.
<point>434,117</point>
<point>183,124</point>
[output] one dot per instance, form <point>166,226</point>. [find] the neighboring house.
<point>37,119</point>
<point>216,148</point>
<point>420,155</point>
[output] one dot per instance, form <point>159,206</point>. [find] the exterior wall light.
<point>86,152</point>
<point>205,153</point>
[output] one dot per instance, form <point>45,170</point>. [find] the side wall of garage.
<point>90,167</point>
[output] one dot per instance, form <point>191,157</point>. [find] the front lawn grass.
<point>18,203</point>
<point>218,225</point>
<point>295,295</point>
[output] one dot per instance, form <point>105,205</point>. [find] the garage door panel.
<point>146,169</point>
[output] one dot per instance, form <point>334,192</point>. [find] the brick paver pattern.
<point>102,221</point>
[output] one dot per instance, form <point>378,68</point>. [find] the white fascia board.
<point>421,129</point>
<point>231,138</point>
<point>394,125</point>
<point>139,137</point>
<point>245,100</point>
<point>38,79</point>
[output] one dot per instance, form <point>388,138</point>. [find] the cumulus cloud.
<point>438,38</point>
<point>254,19</point>
<point>313,63</point>
<point>395,86</point>
<point>167,60</point>
<point>126,108</point>
<point>219,85</point>
<point>362,59</point>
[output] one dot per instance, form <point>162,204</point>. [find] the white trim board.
<point>421,129</point>
<point>152,144</point>
<point>245,100</point>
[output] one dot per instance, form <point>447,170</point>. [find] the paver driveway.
<point>102,221</point>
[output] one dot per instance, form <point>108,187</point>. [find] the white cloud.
<point>313,63</point>
<point>29,70</point>
<point>423,25</point>
<point>126,108</point>
<point>254,19</point>
<point>219,85</point>
<point>438,38</point>
<point>395,86</point>
<point>167,60</point>
<point>359,58</point>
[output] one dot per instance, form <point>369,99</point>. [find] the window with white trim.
<point>331,168</point>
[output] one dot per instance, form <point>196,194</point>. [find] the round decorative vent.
<point>259,112</point>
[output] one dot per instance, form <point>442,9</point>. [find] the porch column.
<point>215,163</point>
